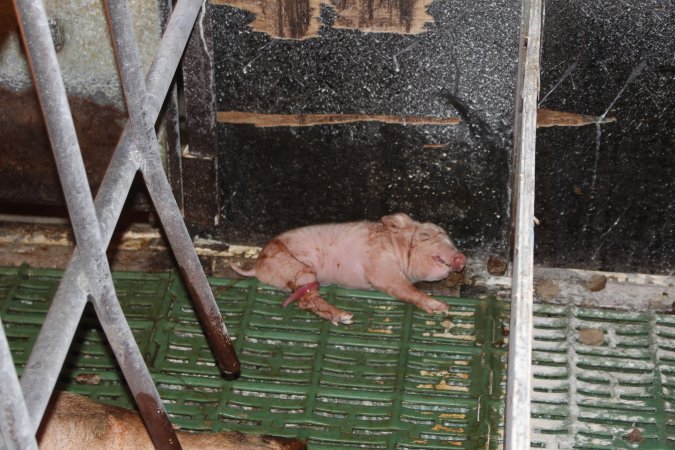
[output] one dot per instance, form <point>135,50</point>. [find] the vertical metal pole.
<point>160,191</point>
<point>51,347</point>
<point>52,95</point>
<point>16,432</point>
<point>519,385</point>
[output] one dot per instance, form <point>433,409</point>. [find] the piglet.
<point>389,256</point>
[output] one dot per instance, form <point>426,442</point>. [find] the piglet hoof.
<point>344,318</point>
<point>433,306</point>
<point>312,301</point>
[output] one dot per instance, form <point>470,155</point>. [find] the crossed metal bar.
<point>88,277</point>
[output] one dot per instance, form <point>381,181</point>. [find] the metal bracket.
<point>88,277</point>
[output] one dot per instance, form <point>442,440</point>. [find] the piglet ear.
<point>398,220</point>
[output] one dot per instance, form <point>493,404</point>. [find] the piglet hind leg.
<point>278,267</point>
<point>403,290</point>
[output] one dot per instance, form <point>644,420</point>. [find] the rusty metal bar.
<point>98,281</point>
<point>16,432</point>
<point>519,384</point>
<point>160,190</point>
<point>51,347</point>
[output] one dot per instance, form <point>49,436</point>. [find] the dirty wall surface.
<point>605,193</point>
<point>352,110</point>
<point>86,58</point>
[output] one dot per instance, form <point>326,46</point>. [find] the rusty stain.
<point>452,416</point>
<point>308,120</point>
<point>162,433</point>
<point>440,427</point>
<point>551,118</point>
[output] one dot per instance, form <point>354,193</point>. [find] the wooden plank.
<point>550,118</point>
<point>300,19</point>
<point>309,120</point>
<point>519,384</point>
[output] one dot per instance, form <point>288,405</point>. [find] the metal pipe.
<point>61,130</point>
<point>51,347</point>
<point>15,426</point>
<point>188,261</point>
<point>519,383</point>
<point>160,190</point>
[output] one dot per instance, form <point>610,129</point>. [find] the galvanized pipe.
<point>188,261</point>
<point>519,383</point>
<point>60,127</point>
<point>15,427</point>
<point>160,191</point>
<point>51,347</point>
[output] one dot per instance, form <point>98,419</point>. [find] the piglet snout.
<point>458,262</point>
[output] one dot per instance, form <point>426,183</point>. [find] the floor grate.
<point>603,379</point>
<point>397,378</point>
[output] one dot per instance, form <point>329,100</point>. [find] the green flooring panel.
<point>397,378</point>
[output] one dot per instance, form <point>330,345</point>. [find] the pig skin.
<point>389,256</point>
<point>74,422</point>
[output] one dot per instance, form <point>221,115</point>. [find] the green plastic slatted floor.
<point>397,378</point>
<point>616,392</point>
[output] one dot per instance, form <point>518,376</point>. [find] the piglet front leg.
<point>402,289</point>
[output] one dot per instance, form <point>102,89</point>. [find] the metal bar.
<point>15,427</point>
<point>52,344</point>
<point>519,384</point>
<point>60,127</point>
<point>160,191</point>
<point>188,261</point>
<point>51,347</point>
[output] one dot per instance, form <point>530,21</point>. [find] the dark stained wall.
<point>415,117</point>
<point>29,182</point>
<point>606,193</point>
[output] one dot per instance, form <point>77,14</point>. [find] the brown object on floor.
<point>496,266</point>
<point>596,283</point>
<point>591,336</point>
<point>75,422</point>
